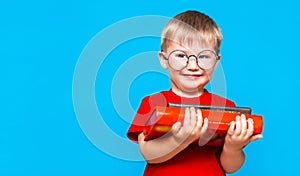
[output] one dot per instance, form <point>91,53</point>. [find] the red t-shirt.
<point>194,160</point>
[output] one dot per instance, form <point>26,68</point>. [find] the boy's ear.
<point>216,65</point>
<point>162,60</point>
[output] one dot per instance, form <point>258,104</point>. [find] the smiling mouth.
<point>192,75</point>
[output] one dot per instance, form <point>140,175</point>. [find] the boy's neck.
<point>181,93</point>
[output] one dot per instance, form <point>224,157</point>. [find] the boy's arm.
<point>238,136</point>
<point>162,149</point>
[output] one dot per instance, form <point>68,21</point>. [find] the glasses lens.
<point>207,59</point>
<point>178,60</point>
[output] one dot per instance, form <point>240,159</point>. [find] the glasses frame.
<point>218,56</point>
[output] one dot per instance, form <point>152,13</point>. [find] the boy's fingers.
<point>256,137</point>
<point>238,125</point>
<point>187,115</point>
<point>250,127</point>
<point>205,126</point>
<point>176,127</point>
<point>199,118</point>
<point>231,128</point>
<point>243,125</point>
<point>193,117</point>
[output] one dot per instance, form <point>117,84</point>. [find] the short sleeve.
<point>140,119</point>
<point>144,112</point>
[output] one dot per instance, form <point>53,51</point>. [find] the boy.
<point>189,51</point>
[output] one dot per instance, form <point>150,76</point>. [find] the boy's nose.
<point>192,64</point>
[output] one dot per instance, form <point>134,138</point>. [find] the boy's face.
<point>190,81</point>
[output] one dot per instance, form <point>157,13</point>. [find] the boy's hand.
<point>240,133</point>
<point>193,126</point>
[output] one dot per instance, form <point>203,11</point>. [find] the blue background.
<point>41,41</point>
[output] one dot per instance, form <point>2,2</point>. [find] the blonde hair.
<point>190,27</point>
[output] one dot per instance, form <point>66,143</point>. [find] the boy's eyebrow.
<point>185,50</point>
<point>182,49</point>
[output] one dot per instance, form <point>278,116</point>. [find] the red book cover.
<point>219,118</point>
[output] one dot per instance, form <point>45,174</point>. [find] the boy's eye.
<point>181,55</point>
<point>207,55</point>
<point>203,57</point>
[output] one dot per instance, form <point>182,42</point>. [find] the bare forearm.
<point>232,160</point>
<point>182,134</point>
<point>161,149</point>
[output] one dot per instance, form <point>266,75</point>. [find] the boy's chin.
<point>192,90</point>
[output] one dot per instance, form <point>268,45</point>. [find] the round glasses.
<point>178,59</point>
